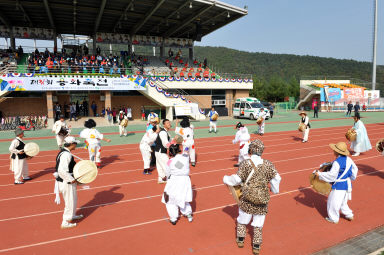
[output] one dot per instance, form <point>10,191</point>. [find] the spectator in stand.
<point>205,63</point>
<point>357,107</point>
<point>170,53</point>
<point>72,112</point>
<point>198,75</point>
<point>206,74</point>
<point>94,108</point>
<point>98,51</point>
<point>85,108</point>
<point>195,62</point>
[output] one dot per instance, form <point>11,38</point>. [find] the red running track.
<point>124,213</point>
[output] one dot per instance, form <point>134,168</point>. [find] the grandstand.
<point>76,69</point>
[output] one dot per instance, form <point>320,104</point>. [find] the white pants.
<point>261,128</point>
<point>305,134</point>
<point>190,148</point>
<point>60,140</point>
<point>70,198</point>
<point>245,218</point>
<point>161,163</point>
<point>212,124</point>
<point>173,210</point>
<point>94,152</point>
<point>338,201</point>
<point>145,150</point>
<point>20,168</point>
<point>122,130</point>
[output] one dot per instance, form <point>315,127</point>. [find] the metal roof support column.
<point>100,15</point>
<point>94,44</point>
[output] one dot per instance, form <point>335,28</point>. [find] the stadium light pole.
<point>374,45</point>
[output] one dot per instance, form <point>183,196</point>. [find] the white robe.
<point>178,187</point>
<point>188,141</point>
<point>242,137</point>
<point>18,166</point>
<point>362,143</point>
<point>56,129</point>
<point>93,137</point>
<point>145,147</point>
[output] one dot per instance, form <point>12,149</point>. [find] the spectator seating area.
<point>8,57</point>
<point>334,85</point>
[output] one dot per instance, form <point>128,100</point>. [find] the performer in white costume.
<point>161,148</point>
<point>19,164</point>
<point>305,120</point>
<point>92,139</point>
<point>212,123</point>
<point>362,143</point>
<point>342,172</point>
<point>178,190</point>
<point>242,137</point>
<point>122,128</point>
<point>262,114</point>
<point>255,174</point>
<point>65,183</point>
<point>61,130</point>
<point>148,139</point>
<point>151,116</point>
<point>186,131</point>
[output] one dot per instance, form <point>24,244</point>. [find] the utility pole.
<point>374,46</point>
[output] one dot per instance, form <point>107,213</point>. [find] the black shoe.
<point>193,164</point>
<point>173,222</point>
<point>240,242</point>
<point>145,171</point>
<point>17,183</point>
<point>236,165</point>
<point>209,131</point>
<point>255,249</point>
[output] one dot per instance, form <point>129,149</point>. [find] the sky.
<point>327,28</point>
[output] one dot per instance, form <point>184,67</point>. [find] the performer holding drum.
<point>342,172</point>
<point>242,137</point>
<point>186,131</point>
<point>362,143</point>
<point>161,148</point>
<point>306,126</point>
<point>261,121</point>
<point>19,164</point>
<point>93,138</point>
<point>254,174</point>
<point>66,183</point>
<point>123,123</point>
<point>380,146</point>
<point>213,116</point>
<point>178,190</point>
<point>61,130</point>
<point>148,139</point>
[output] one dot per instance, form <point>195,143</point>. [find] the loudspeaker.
<point>198,33</point>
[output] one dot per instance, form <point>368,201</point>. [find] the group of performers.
<point>173,160</point>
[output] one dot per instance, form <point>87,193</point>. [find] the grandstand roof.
<point>167,18</point>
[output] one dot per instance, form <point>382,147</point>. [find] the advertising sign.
<point>68,83</point>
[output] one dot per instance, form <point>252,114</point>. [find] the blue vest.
<point>211,113</point>
<point>343,183</point>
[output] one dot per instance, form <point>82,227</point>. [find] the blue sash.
<point>341,182</point>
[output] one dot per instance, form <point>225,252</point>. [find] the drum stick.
<point>76,156</point>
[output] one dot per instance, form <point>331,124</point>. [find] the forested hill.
<point>276,76</point>
<point>267,65</point>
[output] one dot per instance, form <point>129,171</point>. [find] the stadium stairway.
<point>169,102</point>
<point>310,92</point>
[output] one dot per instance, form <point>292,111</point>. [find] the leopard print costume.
<point>264,174</point>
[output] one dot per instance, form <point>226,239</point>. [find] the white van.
<point>249,108</point>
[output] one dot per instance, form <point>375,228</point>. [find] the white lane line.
<point>143,223</point>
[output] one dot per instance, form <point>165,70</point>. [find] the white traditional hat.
<point>71,139</point>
